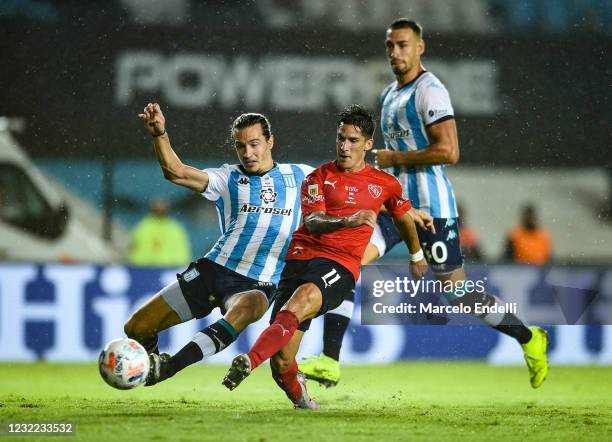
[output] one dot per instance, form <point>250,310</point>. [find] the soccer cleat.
<point>240,369</point>
<point>535,356</point>
<point>322,369</point>
<point>159,369</point>
<point>305,402</point>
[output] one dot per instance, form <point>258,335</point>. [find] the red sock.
<point>287,380</point>
<point>275,337</point>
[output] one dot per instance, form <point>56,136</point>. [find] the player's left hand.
<point>418,269</point>
<point>423,220</point>
<point>383,158</point>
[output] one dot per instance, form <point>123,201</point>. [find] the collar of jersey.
<point>337,169</point>
<point>243,170</point>
<point>412,82</point>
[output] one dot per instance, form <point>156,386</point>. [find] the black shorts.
<point>207,285</point>
<point>334,280</point>
<point>388,230</point>
<point>442,250</point>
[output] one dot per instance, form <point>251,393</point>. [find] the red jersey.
<point>339,193</point>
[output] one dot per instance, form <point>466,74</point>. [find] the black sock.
<point>508,324</point>
<point>209,341</point>
<point>189,354</point>
<point>333,332</point>
<point>509,327</point>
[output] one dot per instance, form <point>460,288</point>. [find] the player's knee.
<point>249,309</point>
<point>305,300</point>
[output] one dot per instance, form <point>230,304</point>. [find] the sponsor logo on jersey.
<point>297,250</point>
<point>289,180</point>
<point>243,180</point>
<point>312,199</point>
<point>248,208</point>
<point>374,190</point>
<point>350,196</point>
<point>438,113</point>
<point>400,133</point>
<point>330,183</point>
<point>268,195</point>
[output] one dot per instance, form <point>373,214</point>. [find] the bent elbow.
<point>310,227</point>
<point>451,154</point>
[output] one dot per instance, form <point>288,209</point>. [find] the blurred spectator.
<point>528,243</point>
<point>469,240</point>
<point>159,240</point>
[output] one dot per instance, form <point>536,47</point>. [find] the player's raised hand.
<point>418,269</point>
<point>362,217</point>
<point>154,119</point>
<point>423,220</point>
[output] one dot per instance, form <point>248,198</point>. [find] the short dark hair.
<point>251,119</point>
<point>360,117</point>
<point>406,23</point>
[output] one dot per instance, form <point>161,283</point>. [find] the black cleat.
<point>159,369</point>
<point>240,369</point>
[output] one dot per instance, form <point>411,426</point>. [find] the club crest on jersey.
<point>289,180</point>
<point>399,134</point>
<point>267,195</point>
<point>375,191</point>
<point>313,190</point>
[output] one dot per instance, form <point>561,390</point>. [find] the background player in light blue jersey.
<point>258,202</point>
<point>418,126</point>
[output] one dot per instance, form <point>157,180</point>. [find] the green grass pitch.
<point>407,401</point>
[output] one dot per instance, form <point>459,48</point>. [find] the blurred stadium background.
<point>529,80</point>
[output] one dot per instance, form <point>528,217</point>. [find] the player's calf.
<point>142,332</point>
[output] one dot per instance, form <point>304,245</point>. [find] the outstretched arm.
<point>173,168</point>
<point>443,149</point>
<point>407,230</point>
<point>319,222</point>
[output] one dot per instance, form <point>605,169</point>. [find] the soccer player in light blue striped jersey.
<point>258,203</point>
<point>418,126</point>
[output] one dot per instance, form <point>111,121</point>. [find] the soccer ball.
<point>124,364</point>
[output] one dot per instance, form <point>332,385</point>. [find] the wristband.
<point>159,135</point>
<point>416,257</point>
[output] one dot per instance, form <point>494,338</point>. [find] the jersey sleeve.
<point>433,102</point>
<point>396,204</point>
<point>313,199</point>
<point>218,179</point>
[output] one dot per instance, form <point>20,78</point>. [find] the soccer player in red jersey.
<point>340,202</point>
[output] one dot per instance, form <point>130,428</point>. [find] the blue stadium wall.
<point>68,312</point>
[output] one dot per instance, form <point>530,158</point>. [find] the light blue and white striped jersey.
<point>257,215</point>
<point>406,112</point>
